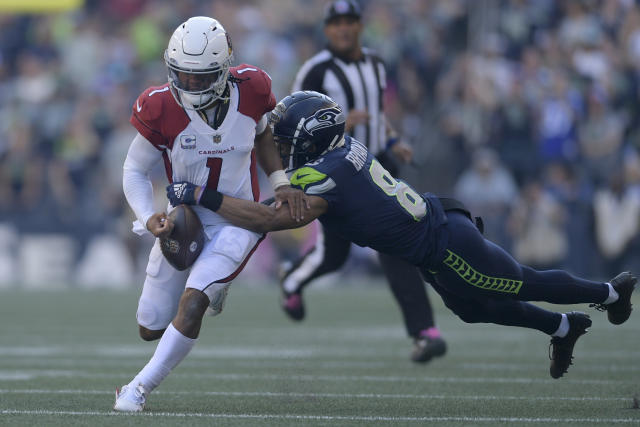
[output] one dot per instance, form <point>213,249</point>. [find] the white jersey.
<point>222,159</point>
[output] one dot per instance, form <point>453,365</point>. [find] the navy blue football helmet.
<point>306,124</point>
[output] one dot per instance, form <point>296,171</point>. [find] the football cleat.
<point>293,305</point>
<point>618,312</point>
<point>130,399</point>
<point>561,348</point>
<point>425,348</point>
<point>219,298</point>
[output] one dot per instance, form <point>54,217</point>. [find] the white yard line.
<point>326,395</point>
<point>61,361</point>
<point>326,417</point>
<point>270,352</point>
<point>232,376</point>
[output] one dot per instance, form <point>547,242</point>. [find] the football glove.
<point>180,193</point>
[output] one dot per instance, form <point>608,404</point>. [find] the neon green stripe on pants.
<point>479,280</point>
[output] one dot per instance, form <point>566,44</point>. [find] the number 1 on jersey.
<point>215,166</point>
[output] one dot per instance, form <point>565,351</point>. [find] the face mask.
<point>196,100</point>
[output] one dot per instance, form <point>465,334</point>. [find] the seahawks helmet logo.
<point>323,119</point>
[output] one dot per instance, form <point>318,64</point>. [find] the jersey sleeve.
<point>315,183</point>
<point>157,116</point>
<point>146,118</point>
<point>256,97</point>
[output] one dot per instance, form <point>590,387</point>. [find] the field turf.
<point>63,353</point>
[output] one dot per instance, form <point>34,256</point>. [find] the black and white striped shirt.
<point>353,85</point>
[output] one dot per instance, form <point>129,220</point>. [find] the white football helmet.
<point>198,58</point>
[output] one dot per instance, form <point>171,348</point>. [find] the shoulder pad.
<point>157,116</point>
<point>254,77</point>
<point>312,181</point>
<point>254,86</point>
<point>148,106</point>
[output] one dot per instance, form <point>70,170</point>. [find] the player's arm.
<point>270,161</point>
<point>262,219</point>
<point>141,158</point>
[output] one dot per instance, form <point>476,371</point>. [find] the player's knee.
<point>149,334</point>
<point>469,317</point>
<point>192,306</point>
<point>470,314</point>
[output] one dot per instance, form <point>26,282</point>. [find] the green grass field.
<point>63,353</point>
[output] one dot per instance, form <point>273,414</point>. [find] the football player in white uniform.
<point>208,125</point>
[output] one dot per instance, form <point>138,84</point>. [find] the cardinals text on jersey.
<point>193,151</point>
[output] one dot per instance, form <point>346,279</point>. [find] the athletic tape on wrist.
<point>278,179</point>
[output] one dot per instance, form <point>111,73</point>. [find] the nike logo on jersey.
<point>138,107</point>
<point>303,175</point>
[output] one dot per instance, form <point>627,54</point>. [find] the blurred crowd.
<point>526,110</point>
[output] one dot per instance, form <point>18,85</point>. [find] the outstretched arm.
<point>262,219</point>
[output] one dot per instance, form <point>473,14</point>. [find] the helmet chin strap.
<point>334,144</point>
<point>197,102</point>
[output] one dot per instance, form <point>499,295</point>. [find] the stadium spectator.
<point>103,50</point>
<point>489,190</point>
<point>617,216</point>
<point>538,227</point>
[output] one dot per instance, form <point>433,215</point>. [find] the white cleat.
<point>130,399</point>
<point>219,291</point>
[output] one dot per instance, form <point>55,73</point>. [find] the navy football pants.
<point>480,282</point>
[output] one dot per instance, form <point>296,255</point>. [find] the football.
<point>183,246</point>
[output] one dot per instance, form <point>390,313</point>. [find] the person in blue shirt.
<point>354,196</point>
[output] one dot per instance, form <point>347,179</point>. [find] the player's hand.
<point>296,199</point>
<point>181,193</point>
<point>403,151</point>
<point>160,224</point>
<point>355,118</point>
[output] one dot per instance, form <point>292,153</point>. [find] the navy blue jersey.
<point>369,207</point>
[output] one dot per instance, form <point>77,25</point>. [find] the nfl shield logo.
<point>188,142</point>
<point>217,139</point>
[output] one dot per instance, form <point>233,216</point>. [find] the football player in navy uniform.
<point>354,196</point>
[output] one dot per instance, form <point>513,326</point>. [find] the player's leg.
<point>157,306</point>
<point>474,265</point>
<point>565,329</point>
<point>410,292</point>
<point>614,296</point>
<point>328,254</point>
<point>222,258</point>
<point>475,268</point>
<point>158,303</point>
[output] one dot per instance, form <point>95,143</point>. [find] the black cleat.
<point>293,305</point>
<point>619,311</point>
<point>426,348</point>
<point>562,348</point>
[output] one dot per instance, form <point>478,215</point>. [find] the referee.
<point>355,78</point>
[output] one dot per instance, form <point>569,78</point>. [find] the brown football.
<point>183,246</point>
